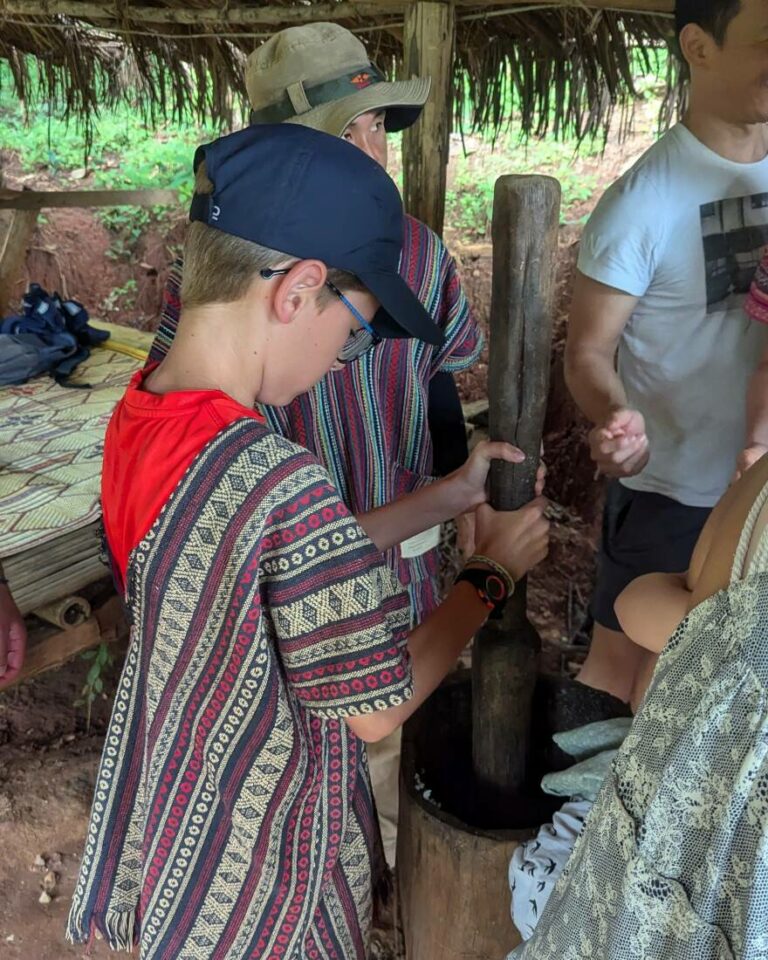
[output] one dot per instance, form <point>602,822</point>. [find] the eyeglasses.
<point>359,341</point>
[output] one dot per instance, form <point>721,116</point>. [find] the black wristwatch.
<point>493,589</point>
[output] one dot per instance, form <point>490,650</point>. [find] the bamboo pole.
<point>277,16</point>
<point>506,652</point>
<point>430,31</point>
<point>42,199</point>
<point>245,16</point>
<point>16,230</point>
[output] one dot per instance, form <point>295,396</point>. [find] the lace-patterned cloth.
<point>673,861</point>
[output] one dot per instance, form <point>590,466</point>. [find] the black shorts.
<point>642,533</point>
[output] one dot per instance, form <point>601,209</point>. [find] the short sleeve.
<point>463,338</point>
<point>169,314</point>
<point>339,616</point>
<point>430,271</point>
<point>756,304</point>
<point>623,238</point>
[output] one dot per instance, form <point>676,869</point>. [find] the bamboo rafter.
<point>284,15</point>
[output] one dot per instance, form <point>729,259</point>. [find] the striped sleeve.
<point>339,617</point>
<point>431,273</point>
<point>463,339</point>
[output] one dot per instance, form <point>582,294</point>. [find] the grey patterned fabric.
<point>673,860</point>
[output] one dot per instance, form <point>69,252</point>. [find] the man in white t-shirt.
<point>665,262</point>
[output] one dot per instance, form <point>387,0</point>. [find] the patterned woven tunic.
<point>232,816</point>
<point>367,423</point>
<point>673,861</point>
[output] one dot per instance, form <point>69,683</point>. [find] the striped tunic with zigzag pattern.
<point>232,816</point>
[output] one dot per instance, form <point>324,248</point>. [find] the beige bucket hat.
<point>320,75</point>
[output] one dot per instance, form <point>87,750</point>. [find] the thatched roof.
<point>566,65</point>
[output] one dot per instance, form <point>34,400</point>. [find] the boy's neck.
<point>210,352</point>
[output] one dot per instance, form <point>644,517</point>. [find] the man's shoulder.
<point>655,170</point>
<point>669,172</point>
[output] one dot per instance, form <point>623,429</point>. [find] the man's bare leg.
<point>613,663</point>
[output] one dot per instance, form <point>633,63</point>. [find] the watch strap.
<point>492,588</point>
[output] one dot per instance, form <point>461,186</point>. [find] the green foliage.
<point>469,200</point>
<point>120,299</point>
<point>126,152</point>
<point>101,659</point>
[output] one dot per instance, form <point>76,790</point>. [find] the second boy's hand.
<point>463,490</point>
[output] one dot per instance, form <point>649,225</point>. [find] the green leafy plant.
<point>120,298</point>
<point>101,659</point>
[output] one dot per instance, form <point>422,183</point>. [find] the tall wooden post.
<point>505,657</point>
<point>16,229</point>
<point>429,42</point>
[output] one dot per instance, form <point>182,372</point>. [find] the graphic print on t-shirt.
<point>735,235</point>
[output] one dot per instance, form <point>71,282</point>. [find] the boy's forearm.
<point>594,383</point>
<point>412,514</point>
<point>436,645</point>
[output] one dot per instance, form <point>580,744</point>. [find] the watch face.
<point>495,588</point>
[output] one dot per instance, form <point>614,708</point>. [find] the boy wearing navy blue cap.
<point>232,816</point>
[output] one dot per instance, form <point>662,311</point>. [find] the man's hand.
<point>619,445</point>
<point>517,539</point>
<point>748,458</point>
<point>13,638</point>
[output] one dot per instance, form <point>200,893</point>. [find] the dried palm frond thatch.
<point>562,66</point>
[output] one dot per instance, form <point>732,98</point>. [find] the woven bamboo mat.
<point>51,443</point>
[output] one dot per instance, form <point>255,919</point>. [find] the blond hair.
<point>220,268</point>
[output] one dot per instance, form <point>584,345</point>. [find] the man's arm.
<point>599,314</point>
<point>13,635</point>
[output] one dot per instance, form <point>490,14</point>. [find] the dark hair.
<point>711,15</point>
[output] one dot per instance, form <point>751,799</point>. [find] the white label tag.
<point>421,543</point>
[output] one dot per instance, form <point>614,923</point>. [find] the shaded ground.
<point>47,757</point>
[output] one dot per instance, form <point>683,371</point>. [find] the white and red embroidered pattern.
<point>232,816</point>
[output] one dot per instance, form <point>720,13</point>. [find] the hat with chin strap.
<point>320,75</point>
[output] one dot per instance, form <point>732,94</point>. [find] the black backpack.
<point>48,336</point>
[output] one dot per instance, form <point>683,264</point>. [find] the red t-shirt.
<point>150,442</point>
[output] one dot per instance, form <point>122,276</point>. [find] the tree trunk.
<point>430,30</point>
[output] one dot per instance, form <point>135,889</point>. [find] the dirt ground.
<point>47,756</point>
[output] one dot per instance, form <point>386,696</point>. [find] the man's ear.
<point>299,289</point>
<point>696,45</point>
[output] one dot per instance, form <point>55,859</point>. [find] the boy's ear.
<point>299,288</point>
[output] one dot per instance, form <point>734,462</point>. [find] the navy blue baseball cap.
<point>315,197</point>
